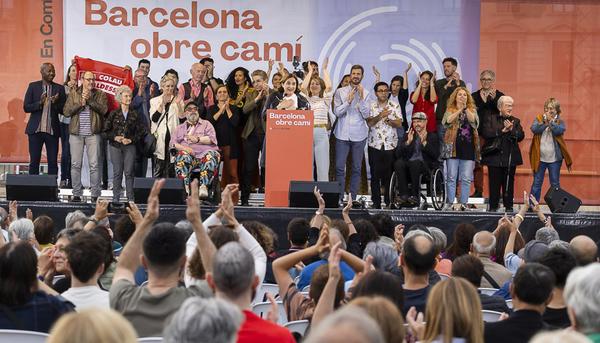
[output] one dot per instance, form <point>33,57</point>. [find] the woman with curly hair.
<point>461,145</point>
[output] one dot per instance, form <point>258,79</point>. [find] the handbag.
<point>149,141</point>
<point>492,148</point>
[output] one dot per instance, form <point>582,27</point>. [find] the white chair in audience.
<point>264,288</point>
<point>298,326</point>
<point>444,276</point>
<point>21,336</point>
<point>491,316</point>
<point>509,303</point>
<point>261,309</point>
<point>488,291</point>
<point>150,339</point>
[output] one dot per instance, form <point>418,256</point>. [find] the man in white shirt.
<point>85,258</point>
<point>384,120</point>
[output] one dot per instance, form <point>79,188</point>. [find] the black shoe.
<point>64,184</point>
<point>94,200</point>
<point>508,210</point>
<point>245,203</point>
<point>75,199</point>
<point>104,186</point>
<point>413,201</point>
<point>376,206</point>
<point>477,194</point>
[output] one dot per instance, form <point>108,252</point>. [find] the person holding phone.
<point>548,148</point>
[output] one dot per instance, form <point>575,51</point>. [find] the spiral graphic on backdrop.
<point>340,44</point>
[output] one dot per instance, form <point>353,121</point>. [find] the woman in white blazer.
<point>166,112</point>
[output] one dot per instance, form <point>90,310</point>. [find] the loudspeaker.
<point>560,201</point>
<point>173,191</point>
<point>301,193</point>
<point>22,187</point>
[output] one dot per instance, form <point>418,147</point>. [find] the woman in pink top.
<point>195,142</point>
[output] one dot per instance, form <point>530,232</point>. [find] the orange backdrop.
<point>542,49</point>
<point>31,33</point>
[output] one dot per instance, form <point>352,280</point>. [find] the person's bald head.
<point>484,243</point>
<point>584,249</point>
<point>418,253</point>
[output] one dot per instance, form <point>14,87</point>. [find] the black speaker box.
<point>301,193</point>
<point>22,187</point>
<point>173,191</point>
<point>560,201</point>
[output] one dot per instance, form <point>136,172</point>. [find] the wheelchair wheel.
<point>438,189</point>
<point>394,194</point>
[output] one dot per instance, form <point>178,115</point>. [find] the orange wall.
<point>20,60</point>
<point>539,50</point>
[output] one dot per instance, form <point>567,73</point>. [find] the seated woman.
<point>196,145</point>
<point>27,303</point>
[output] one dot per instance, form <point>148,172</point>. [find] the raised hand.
<point>352,94</point>
<point>192,212</point>
<point>377,74</point>
<point>322,244</point>
<point>101,210</point>
<point>334,262</point>
<point>399,236</point>
<point>325,63</point>
<point>415,323</point>
<point>411,135</point>
<point>271,63</point>
<point>348,207</point>
<point>29,214</point>
<point>320,200</point>
<point>407,68</point>
<point>534,203</point>
<point>134,213</point>
<point>273,314</point>
<point>13,208</point>
<point>386,112</point>
<point>153,207</point>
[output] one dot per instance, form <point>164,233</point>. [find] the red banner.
<point>108,77</point>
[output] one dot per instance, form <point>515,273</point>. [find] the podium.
<point>289,153</point>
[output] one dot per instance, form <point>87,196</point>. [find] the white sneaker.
<point>203,192</point>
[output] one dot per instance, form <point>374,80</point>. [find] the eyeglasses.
<point>487,80</point>
<point>383,91</point>
<point>89,79</point>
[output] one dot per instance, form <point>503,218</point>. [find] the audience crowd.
<point>219,280</point>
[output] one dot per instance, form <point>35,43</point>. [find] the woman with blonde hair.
<point>386,314</point>
<point>461,145</point>
<point>548,148</point>
<point>453,314</point>
<point>166,113</point>
<point>93,326</point>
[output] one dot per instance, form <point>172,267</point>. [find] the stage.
<point>567,225</point>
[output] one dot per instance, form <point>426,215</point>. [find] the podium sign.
<point>289,153</point>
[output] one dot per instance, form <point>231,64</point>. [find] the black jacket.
<point>509,146</point>
<point>519,327</point>
<point>493,303</point>
<point>275,98</point>
<point>33,105</point>
<point>486,109</point>
<point>131,128</point>
<point>430,152</point>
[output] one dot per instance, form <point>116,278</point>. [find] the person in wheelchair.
<point>416,155</point>
<point>194,145</point>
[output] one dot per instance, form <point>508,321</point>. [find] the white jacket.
<point>160,131</point>
<point>246,240</point>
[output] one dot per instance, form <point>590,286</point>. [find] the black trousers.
<point>409,172</point>
<point>36,141</point>
<point>497,184</point>
<point>382,164</point>
<point>252,147</point>
<point>65,154</point>
<point>141,162</point>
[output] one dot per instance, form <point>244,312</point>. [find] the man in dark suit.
<point>531,291</point>
<point>44,99</point>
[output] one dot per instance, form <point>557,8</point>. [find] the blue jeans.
<point>459,169</point>
<point>342,148</point>
<point>538,177</point>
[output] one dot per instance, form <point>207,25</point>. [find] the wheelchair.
<point>432,185</point>
<point>214,189</point>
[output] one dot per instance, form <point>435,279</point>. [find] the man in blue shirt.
<point>351,107</point>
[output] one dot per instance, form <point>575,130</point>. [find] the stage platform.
<point>568,225</point>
